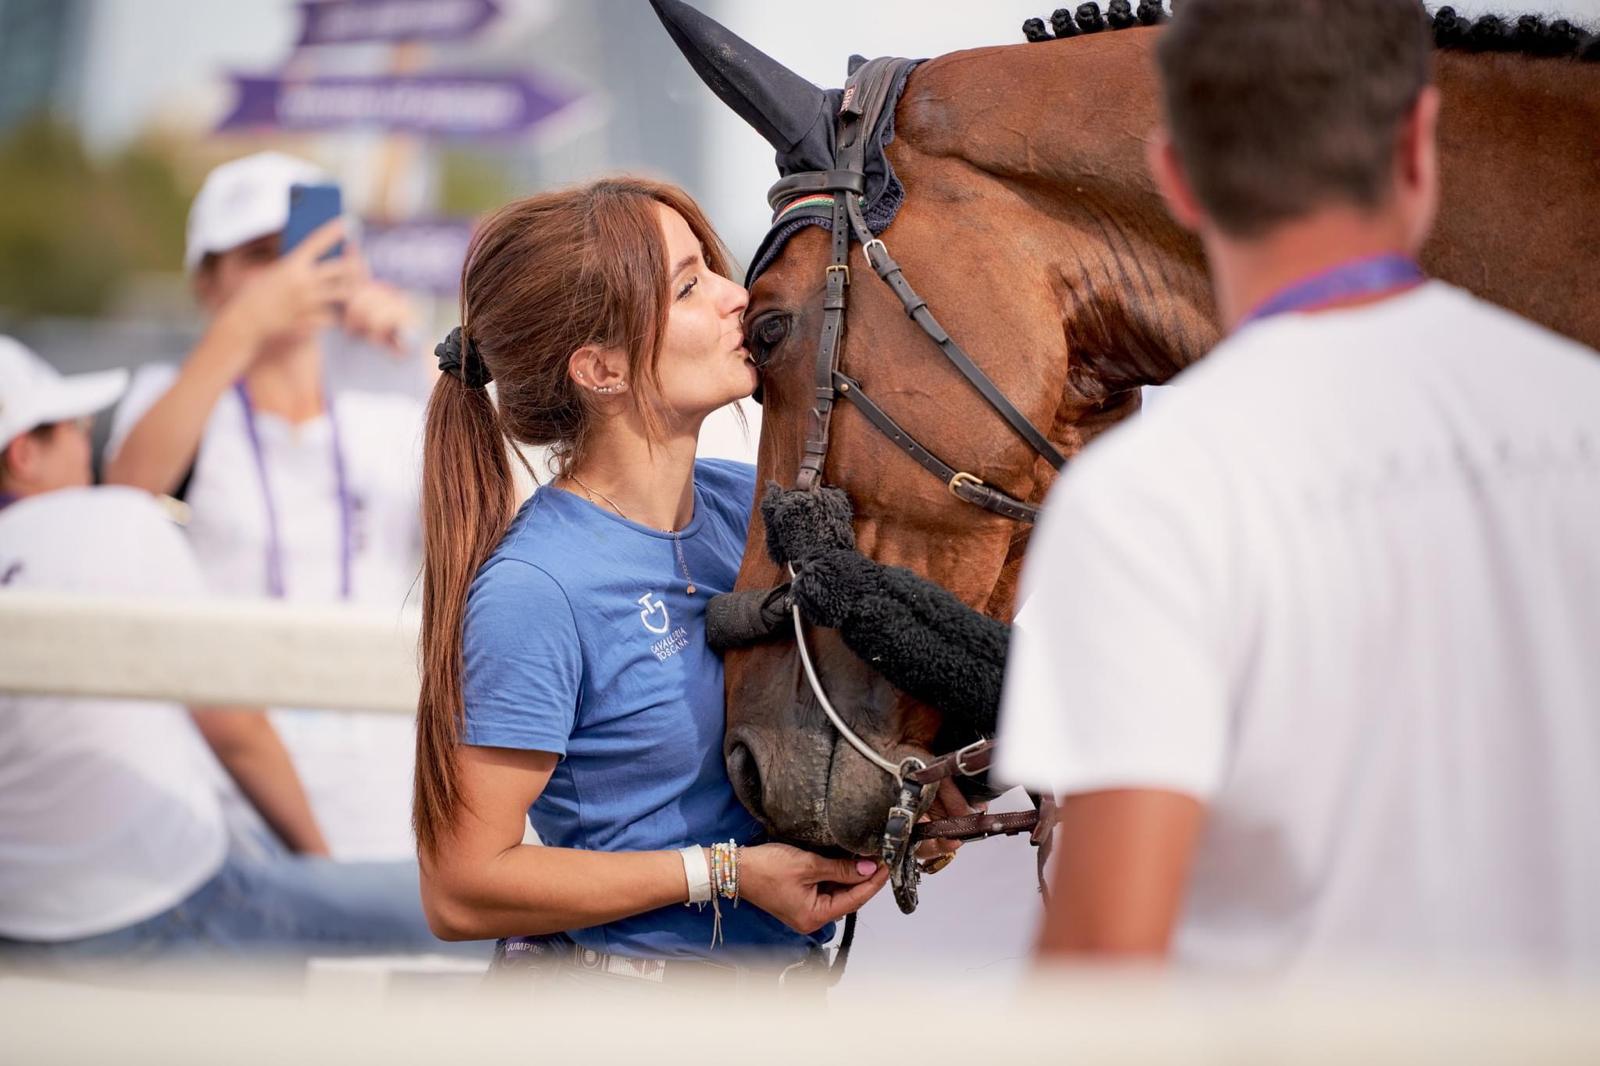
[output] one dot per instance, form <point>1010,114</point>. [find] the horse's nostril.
<point>746,777</point>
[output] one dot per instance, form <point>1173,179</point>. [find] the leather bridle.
<point>866,94</point>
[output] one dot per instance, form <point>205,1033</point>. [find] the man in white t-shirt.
<point>113,843</point>
<point>295,491</point>
<point>1311,653</point>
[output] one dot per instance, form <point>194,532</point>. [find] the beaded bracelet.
<point>724,882</point>
<point>725,870</point>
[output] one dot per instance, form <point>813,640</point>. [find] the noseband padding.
<point>916,634</point>
<point>801,524</point>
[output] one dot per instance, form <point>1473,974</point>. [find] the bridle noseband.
<point>866,95</point>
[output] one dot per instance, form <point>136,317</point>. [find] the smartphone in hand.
<point>309,207</point>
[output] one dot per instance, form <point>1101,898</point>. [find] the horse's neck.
<point>1066,141</point>
<point>1519,222</point>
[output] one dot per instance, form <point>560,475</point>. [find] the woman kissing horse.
<point>1010,185</point>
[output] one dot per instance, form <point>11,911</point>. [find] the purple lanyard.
<point>1372,276</point>
<point>275,585</point>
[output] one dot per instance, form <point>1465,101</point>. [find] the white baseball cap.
<point>33,394</point>
<point>244,199</point>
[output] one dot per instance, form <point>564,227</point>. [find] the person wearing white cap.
<point>296,491</point>
<point>43,416</point>
<point>114,847</point>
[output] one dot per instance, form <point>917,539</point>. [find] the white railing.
<point>264,653</point>
<point>1094,1018</point>
<point>209,653</point>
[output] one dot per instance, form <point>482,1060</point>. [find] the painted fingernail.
<point>865,867</point>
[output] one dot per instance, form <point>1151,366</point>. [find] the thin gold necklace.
<point>677,541</point>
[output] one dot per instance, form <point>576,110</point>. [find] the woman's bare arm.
<point>254,756</point>
<point>484,882</point>
<point>163,443</point>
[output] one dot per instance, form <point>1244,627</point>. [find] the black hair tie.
<point>464,363</point>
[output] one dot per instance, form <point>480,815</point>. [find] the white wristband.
<point>697,872</point>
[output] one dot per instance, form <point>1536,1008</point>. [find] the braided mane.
<point>1529,35</point>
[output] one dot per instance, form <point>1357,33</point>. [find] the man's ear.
<point>597,369</point>
<point>1417,165</point>
<point>1418,150</point>
<point>1167,170</point>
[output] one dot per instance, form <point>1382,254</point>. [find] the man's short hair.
<point>1279,107</point>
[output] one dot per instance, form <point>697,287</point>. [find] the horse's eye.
<point>766,334</point>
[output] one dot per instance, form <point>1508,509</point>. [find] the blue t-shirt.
<point>581,639</point>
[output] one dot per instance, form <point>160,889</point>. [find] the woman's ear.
<point>599,370</point>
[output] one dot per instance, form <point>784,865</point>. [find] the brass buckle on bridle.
<point>845,267</point>
<point>961,477</point>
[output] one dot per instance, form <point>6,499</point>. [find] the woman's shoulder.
<point>531,540</point>
<point>728,488</point>
<point>727,479</point>
<point>509,589</point>
<point>540,545</point>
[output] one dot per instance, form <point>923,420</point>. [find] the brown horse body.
<point>1033,230</point>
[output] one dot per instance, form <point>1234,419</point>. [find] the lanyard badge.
<point>275,581</point>
<point>1378,275</point>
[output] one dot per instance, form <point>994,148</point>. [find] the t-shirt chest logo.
<point>653,608</point>
<point>654,615</point>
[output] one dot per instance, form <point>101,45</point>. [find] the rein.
<point>837,194</point>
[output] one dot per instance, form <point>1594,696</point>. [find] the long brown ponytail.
<point>467,503</point>
<point>543,277</point>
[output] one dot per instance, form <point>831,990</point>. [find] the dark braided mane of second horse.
<point>1530,35</point>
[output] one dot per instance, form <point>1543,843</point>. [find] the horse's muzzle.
<point>811,790</point>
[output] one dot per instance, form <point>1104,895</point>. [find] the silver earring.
<point>608,389</point>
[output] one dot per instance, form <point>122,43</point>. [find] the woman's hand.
<point>297,293</point>
<point>806,891</point>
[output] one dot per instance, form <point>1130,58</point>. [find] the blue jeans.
<point>266,909</point>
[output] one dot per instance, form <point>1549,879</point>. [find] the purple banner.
<point>465,104</point>
<point>423,255</point>
<point>351,21</point>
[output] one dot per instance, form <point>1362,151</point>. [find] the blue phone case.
<point>309,207</point>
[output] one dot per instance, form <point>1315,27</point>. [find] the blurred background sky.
<point>109,115</point>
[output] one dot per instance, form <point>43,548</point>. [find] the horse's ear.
<point>779,104</point>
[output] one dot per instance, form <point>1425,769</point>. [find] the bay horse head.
<point>1010,185</point>
<point>1067,325</point>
